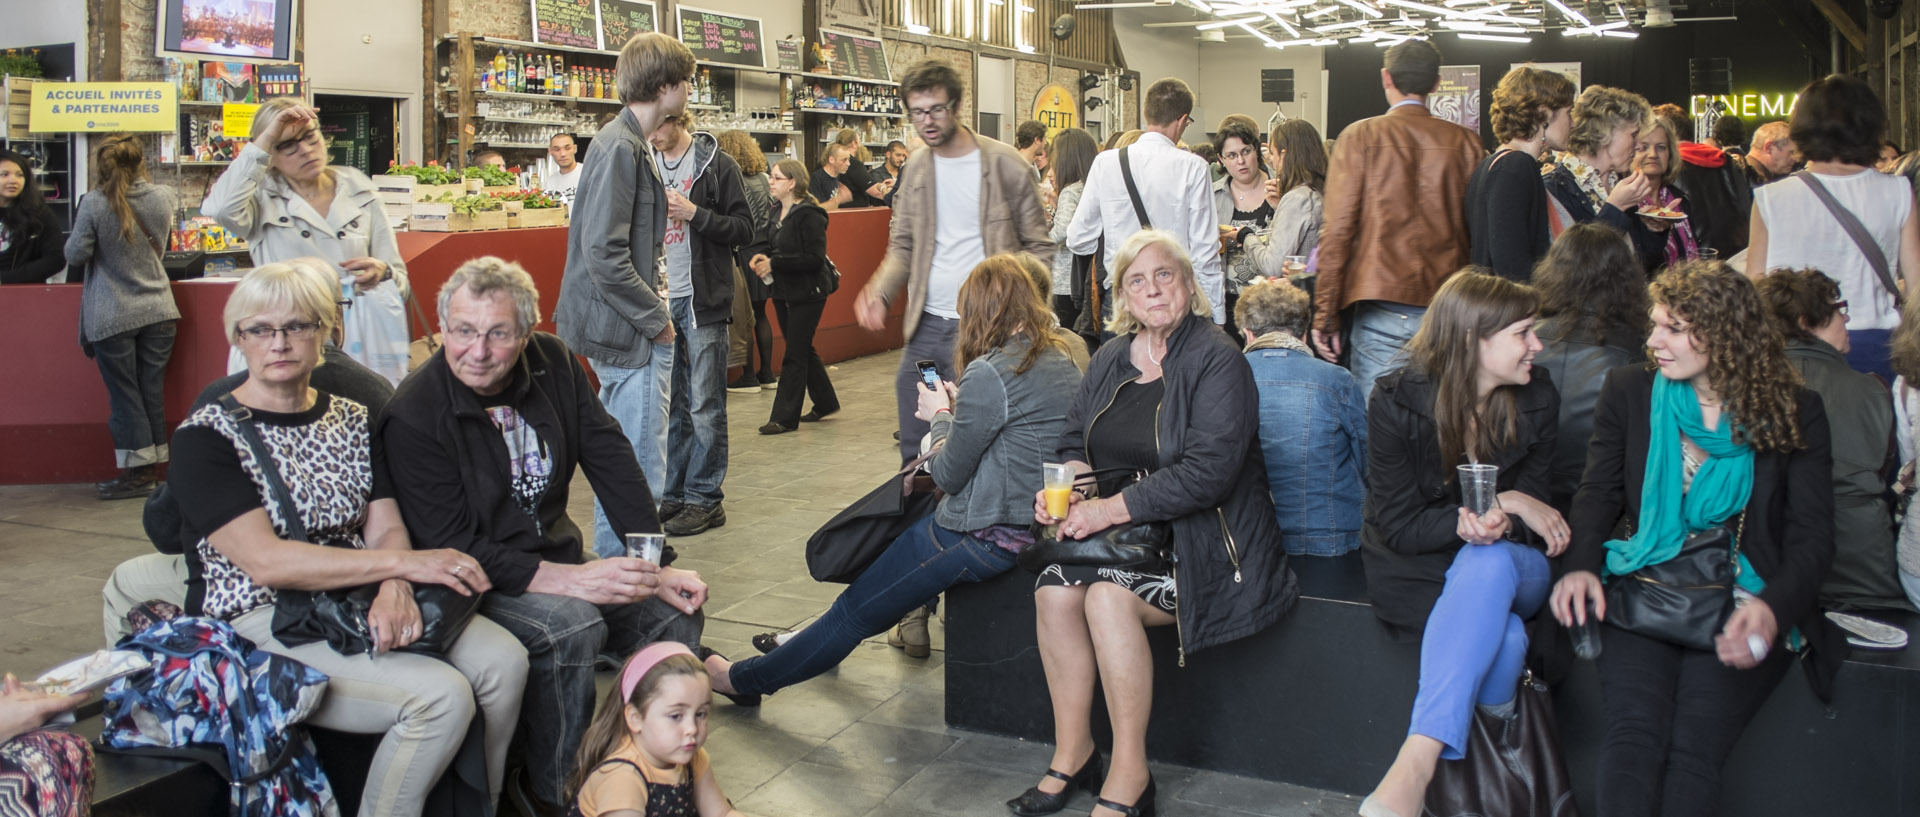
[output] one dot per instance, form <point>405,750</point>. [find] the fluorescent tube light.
<point>1363,8</point>
<point>1498,38</point>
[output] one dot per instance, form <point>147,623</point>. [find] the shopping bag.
<point>376,331</point>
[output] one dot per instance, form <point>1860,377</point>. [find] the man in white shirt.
<point>1175,188</point>
<point>565,179</point>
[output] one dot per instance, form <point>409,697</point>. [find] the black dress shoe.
<point>817,415</point>
<point>1033,802</point>
<point>1142,807</point>
<point>766,642</point>
<point>738,700</point>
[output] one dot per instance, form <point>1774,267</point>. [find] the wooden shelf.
<point>832,112</point>
<point>838,78</point>
<point>514,120</point>
<point>545,97</point>
<point>506,42</point>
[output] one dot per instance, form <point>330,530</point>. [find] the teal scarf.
<point>1667,511</point>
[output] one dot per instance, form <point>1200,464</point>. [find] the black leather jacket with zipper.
<point>1211,483</point>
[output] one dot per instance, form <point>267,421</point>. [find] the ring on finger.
<point>458,568</point>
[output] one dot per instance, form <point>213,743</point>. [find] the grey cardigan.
<point>127,287</point>
<point>609,309</point>
<point>1003,425</point>
<point>1294,230</point>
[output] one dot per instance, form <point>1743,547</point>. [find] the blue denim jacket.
<point>1313,433</point>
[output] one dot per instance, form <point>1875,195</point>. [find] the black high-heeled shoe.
<point>748,700</point>
<point>1033,802</point>
<point>1142,807</point>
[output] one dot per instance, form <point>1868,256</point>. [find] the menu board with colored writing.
<point>621,19</point>
<point>854,55</point>
<point>716,37</point>
<point>573,23</point>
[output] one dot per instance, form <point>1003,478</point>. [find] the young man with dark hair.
<point>610,308</point>
<point>562,179</point>
<point>896,158</point>
<point>1395,220</point>
<point>1030,139</point>
<point>1176,191</point>
<point>707,217</point>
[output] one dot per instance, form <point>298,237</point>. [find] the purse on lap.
<point>339,617</point>
<point>1684,600</point>
<point>1141,547</point>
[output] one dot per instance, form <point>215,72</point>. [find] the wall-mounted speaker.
<point>1710,76</point>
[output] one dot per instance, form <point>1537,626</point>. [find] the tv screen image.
<point>239,29</point>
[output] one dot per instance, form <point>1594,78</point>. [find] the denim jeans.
<point>697,422</point>
<point>133,365</point>
<point>932,340</point>
<point>1871,351</point>
<point>563,635</point>
<point>1475,645</point>
<point>1380,330</point>
<point>638,399</point>
<point>1912,585</point>
<point>921,563</point>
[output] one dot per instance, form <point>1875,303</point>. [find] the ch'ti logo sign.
<point>1054,107</point>
<point>1747,106</point>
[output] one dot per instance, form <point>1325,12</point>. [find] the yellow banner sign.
<point>1055,107</point>
<point>101,107</point>
<point>236,119</point>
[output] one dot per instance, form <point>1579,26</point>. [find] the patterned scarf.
<point>1680,243</point>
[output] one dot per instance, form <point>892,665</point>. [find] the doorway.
<point>361,131</point>
<point>997,114</point>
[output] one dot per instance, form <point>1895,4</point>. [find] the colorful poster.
<point>1570,69</point>
<point>101,107</point>
<point>1457,97</point>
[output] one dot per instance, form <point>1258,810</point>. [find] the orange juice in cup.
<point>1058,487</point>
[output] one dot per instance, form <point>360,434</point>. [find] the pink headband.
<point>643,661</point>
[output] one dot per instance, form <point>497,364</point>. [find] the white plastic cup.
<point>646,547</point>
<point>1478,484</point>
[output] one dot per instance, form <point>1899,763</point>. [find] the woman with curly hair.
<point>1506,202</point>
<point>1593,317</point>
<point>1718,432</point>
<point>1593,179</point>
<point>1837,124</point>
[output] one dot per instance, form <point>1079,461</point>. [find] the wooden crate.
<point>16,121</point>
<point>548,217</point>
<point>19,91</point>
<point>424,192</point>
<point>440,218</point>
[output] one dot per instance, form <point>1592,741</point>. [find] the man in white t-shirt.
<point>561,184</point>
<point>941,231</point>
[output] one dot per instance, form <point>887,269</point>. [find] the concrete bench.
<point>1322,699</point>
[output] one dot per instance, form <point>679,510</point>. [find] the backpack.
<point>213,696</point>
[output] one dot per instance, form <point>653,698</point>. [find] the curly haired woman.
<point>1717,432</point>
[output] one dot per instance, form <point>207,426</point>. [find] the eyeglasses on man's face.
<point>929,113</point>
<point>499,338</point>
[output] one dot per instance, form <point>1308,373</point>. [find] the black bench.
<point>1322,699</point>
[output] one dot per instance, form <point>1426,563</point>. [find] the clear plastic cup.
<point>1057,480</point>
<point>1478,484</point>
<point>646,547</point>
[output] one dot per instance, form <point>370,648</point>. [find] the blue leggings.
<point>1475,645</point>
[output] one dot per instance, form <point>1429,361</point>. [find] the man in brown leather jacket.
<point>1395,220</point>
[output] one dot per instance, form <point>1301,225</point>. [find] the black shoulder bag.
<point>339,617</point>
<point>1145,547</point>
<point>1684,600</point>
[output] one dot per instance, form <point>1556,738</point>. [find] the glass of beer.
<point>1057,480</point>
<point>1294,265</point>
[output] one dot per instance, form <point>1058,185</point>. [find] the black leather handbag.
<point>339,617</point>
<point>1684,600</point>
<point>1143,547</point>
<point>1513,766</point>
<point>842,549</point>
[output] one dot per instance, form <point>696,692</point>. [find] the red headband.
<point>644,661</point>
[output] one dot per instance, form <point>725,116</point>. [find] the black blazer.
<point>798,254</point>
<point>1789,524</point>
<point>1413,498</point>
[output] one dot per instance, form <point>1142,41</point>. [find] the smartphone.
<point>929,374</point>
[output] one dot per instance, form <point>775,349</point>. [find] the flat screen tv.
<point>227,30</point>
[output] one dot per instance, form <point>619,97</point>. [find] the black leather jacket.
<point>1579,360</point>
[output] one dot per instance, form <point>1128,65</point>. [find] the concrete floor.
<point>865,739</point>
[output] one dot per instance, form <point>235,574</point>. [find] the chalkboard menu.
<point>854,55</point>
<point>621,19</point>
<point>715,37</point>
<point>573,23</point>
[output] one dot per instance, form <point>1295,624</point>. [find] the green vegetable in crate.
<point>491,176</point>
<point>431,173</point>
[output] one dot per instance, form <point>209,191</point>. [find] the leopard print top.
<point>327,466</point>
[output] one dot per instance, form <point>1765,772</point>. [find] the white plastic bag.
<point>376,331</point>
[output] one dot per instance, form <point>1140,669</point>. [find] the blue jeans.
<point>638,399</point>
<point>697,423</point>
<point>1475,645</point>
<point>932,340</point>
<point>1380,330</point>
<point>563,635</point>
<point>133,364</point>
<point>921,563</point>
<point>1871,352</point>
<point>1912,585</point>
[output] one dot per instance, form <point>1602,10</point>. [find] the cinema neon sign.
<point>1746,105</point>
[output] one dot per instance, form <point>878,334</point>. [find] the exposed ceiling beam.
<point>1838,18</point>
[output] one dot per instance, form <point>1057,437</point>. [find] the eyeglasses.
<point>497,338</point>
<point>304,330</point>
<point>1237,155</point>
<point>1840,307</point>
<point>927,114</point>
<point>288,147</point>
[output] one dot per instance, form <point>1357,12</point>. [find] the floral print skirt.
<point>1154,588</point>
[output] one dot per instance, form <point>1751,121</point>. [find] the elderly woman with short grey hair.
<point>1594,179</point>
<point>1168,399</point>
<point>249,549</point>
<point>1313,424</point>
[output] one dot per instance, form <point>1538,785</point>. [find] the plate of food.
<point>1665,212</point>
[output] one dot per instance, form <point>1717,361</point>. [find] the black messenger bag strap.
<point>242,418</point>
<point>1133,192</point>
<point>1876,257</point>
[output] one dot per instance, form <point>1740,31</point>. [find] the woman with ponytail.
<point>127,314</point>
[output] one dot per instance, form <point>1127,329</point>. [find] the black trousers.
<point>801,372</point>
<point>1673,716</point>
